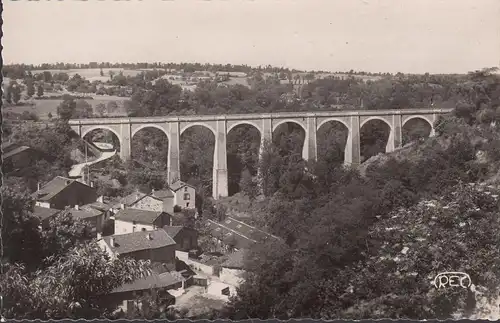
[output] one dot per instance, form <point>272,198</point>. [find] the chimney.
<point>100,199</point>
<point>77,207</point>
<point>150,237</point>
<point>122,206</point>
<point>38,186</point>
<point>112,241</point>
<point>91,184</point>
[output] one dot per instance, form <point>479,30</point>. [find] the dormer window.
<point>228,221</point>
<point>218,229</point>
<point>238,226</point>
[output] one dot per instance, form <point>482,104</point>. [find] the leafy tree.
<point>269,169</point>
<point>101,109</point>
<point>21,240</point>
<point>248,185</point>
<point>71,287</point>
<point>14,92</point>
<point>66,108</point>
<point>64,233</point>
<point>30,87</point>
<point>39,91</point>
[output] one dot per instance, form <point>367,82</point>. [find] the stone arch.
<point>411,133</point>
<point>103,127</point>
<point>375,139</point>
<point>202,124</point>
<point>334,120</point>
<point>282,121</point>
<point>421,117</point>
<point>376,118</point>
<point>333,144</point>
<point>244,122</point>
<point>145,126</point>
<point>252,144</point>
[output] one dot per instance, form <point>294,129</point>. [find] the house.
<point>133,220</point>
<point>93,217</point>
<point>162,200</point>
<point>184,194</point>
<point>186,238</point>
<point>126,297</point>
<point>100,205</point>
<point>62,192</point>
<point>22,157</point>
<point>45,215</point>
<point>156,246</point>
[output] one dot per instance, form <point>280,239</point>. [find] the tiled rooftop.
<point>44,213</point>
<point>155,280</point>
<point>139,216</point>
<point>136,241</point>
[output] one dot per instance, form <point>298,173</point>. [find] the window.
<point>134,228</point>
<point>185,189</point>
<point>187,196</point>
<point>143,229</point>
<point>134,223</point>
<point>187,204</point>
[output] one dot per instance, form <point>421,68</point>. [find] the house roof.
<point>162,194</point>
<point>177,185</point>
<point>44,213</point>
<point>163,280</point>
<point>97,206</point>
<point>235,260</point>
<point>54,187</point>
<point>247,230</point>
<point>137,215</point>
<point>136,241</point>
<point>172,230</point>
<point>132,198</point>
<point>229,236</point>
<point>84,214</point>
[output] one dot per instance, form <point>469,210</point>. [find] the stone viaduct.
<point>266,123</point>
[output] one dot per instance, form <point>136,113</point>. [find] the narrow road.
<point>76,170</point>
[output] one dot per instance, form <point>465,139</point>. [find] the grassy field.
<point>43,107</point>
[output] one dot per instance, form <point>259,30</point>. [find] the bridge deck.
<point>254,116</point>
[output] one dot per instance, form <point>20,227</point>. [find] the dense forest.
<point>341,231</point>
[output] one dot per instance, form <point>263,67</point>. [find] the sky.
<point>409,36</point>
